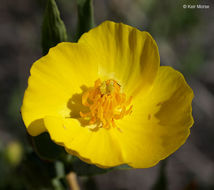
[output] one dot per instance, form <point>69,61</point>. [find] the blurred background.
<point>185,38</point>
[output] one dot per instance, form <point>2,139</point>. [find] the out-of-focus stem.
<point>161,182</point>
<point>72,181</point>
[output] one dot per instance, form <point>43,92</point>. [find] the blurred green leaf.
<point>85,16</point>
<point>60,169</point>
<point>53,28</point>
<point>15,103</point>
<point>14,153</point>
<point>46,148</point>
<point>36,174</point>
<point>57,184</point>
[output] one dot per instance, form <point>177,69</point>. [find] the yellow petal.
<point>160,121</point>
<point>126,54</point>
<point>98,147</point>
<point>54,80</point>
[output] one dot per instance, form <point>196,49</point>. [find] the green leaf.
<point>85,16</point>
<point>53,28</point>
<point>46,148</point>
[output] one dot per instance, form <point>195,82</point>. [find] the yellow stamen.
<point>106,104</point>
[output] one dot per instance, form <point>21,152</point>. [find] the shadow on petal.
<point>176,110</point>
<point>36,127</point>
<point>76,106</point>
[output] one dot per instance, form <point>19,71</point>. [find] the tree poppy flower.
<point>107,100</point>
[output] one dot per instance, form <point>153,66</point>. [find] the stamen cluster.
<point>106,104</point>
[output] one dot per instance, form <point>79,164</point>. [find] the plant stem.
<point>72,181</point>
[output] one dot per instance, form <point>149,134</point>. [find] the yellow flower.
<point>107,100</point>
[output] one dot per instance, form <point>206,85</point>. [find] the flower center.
<point>106,104</point>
